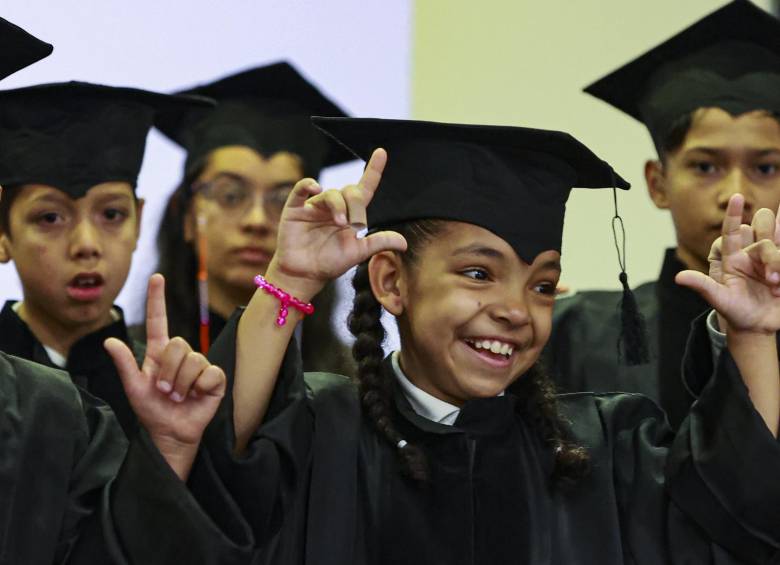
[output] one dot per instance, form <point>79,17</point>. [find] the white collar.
<point>424,404</point>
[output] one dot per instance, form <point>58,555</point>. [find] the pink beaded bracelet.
<point>286,300</point>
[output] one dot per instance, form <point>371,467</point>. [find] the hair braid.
<point>375,389</point>
<point>539,403</point>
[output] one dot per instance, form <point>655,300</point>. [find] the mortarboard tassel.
<point>203,288</point>
<point>632,341</point>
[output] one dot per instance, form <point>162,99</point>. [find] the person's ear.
<point>655,176</point>
<point>5,248</point>
<point>385,273</point>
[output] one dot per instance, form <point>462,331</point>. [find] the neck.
<point>224,299</point>
<point>53,333</point>
<point>691,261</point>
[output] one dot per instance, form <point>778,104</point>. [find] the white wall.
<point>356,50</point>
<point>525,62</point>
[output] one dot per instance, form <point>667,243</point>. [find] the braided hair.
<point>538,401</point>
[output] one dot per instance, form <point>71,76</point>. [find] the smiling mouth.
<point>493,347</point>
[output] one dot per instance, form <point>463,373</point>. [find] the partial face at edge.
<point>72,256</point>
<point>720,156</point>
<point>240,242</point>
<point>472,315</point>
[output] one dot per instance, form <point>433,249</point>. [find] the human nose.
<point>255,216</point>
<point>85,241</point>
<point>736,182</point>
<point>512,311</point>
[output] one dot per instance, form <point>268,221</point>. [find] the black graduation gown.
<point>64,498</point>
<point>89,364</point>
<point>582,353</point>
<point>317,485</point>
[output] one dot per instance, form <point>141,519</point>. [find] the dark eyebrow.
<point>552,264</point>
<point>766,152</point>
<point>287,183</point>
<point>708,150</point>
<point>478,249</point>
<point>54,198</point>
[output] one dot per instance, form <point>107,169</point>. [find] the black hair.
<point>178,263</point>
<point>537,397</point>
<point>675,134</point>
<point>6,201</point>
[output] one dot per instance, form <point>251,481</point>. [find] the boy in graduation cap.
<point>71,490</point>
<point>710,98</point>
<point>219,228</point>
<point>70,219</point>
<point>455,449</point>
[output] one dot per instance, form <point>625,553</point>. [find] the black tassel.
<point>632,341</point>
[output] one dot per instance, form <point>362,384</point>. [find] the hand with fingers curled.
<point>743,286</point>
<point>743,283</point>
<point>318,235</point>
<point>176,391</point>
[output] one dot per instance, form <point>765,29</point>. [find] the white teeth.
<point>494,346</point>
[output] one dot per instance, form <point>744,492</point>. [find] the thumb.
<point>707,287</point>
<point>125,364</point>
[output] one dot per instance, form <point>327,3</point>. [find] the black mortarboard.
<point>266,108</point>
<point>18,48</point>
<point>730,59</point>
<point>512,181</point>
<point>74,135</point>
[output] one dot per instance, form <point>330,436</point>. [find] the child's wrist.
<point>178,454</point>
<point>302,288</point>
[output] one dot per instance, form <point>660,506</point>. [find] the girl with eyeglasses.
<point>219,227</point>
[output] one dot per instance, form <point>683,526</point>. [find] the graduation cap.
<point>730,60</point>
<point>18,48</point>
<point>74,135</point>
<point>266,108</point>
<point>512,181</point>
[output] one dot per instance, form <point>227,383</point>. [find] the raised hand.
<point>318,231</point>
<point>176,391</point>
<point>744,281</point>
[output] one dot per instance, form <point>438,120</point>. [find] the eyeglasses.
<point>235,196</point>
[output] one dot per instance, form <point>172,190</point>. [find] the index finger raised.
<point>732,233</point>
<point>156,315</point>
<point>373,172</point>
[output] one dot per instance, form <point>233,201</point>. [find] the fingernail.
<point>164,386</point>
<point>176,397</point>
<point>774,277</point>
<point>341,218</point>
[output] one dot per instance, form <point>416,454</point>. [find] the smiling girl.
<point>455,449</point>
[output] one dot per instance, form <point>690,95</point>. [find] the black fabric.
<point>19,49</point>
<point>75,135</point>
<point>460,172</point>
<point>582,352</point>
<point>72,492</point>
<point>89,364</point>
<point>490,500</point>
<point>266,108</point>
<point>729,59</point>
<point>58,451</point>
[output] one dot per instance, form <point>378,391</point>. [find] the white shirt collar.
<point>424,404</point>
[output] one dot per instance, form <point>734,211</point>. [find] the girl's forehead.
<point>464,239</point>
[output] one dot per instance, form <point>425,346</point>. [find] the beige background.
<point>524,63</point>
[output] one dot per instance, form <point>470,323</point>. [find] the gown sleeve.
<point>709,494</point>
<point>265,480</point>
